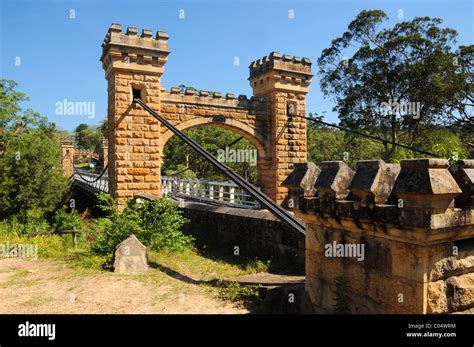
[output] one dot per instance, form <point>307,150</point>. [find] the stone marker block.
<point>130,256</point>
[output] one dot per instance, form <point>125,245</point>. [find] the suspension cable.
<point>375,138</point>
<point>94,180</point>
<point>275,209</point>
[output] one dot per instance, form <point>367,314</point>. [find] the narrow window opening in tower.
<point>136,93</point>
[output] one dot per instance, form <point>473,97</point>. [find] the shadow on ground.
<point>279,288</point>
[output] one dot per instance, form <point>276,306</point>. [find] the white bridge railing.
<point>221,192</point>
<point>91,181</point>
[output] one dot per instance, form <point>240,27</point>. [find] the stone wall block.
<point>373,181</point>
<point>334,180</point>
<point>463,173</point>
<point>426,184</point>
<point>300,183</point>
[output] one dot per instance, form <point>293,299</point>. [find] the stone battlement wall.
<point>412,222</point>
<point>217,99</point>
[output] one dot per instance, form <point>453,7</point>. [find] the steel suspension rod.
<point>278,211</point>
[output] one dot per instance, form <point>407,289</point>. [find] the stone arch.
<point>244,130</point>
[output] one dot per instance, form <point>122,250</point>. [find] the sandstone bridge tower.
<point>134,64</point>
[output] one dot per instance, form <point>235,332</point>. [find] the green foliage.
<point>31,175</point>
<point>155,223</point>
<point>178,156</point>
<point>65,219</point>
<point>27,223</point>
<point>325,143</point>
<point>92,261</point>
<point>236,292</point>
<point>49,245</point>
<point>89,138</point>
<point>411,62</point>
<point>256,265</point>
<point>13,120</point>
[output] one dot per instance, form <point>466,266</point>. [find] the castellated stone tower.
<point>133,66</point>
<point>285,81</point>
<point>67,156</point>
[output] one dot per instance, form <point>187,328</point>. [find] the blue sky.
<point>60,55</point>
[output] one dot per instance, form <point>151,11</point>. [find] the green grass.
<point>14,279</point>
<point>191,262</point>
<point>181,271</point>
<point>37,301</point>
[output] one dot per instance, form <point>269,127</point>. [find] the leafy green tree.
<point>13,120</point>
<point>31,175</point>
<point>411,63</point>
<point>178,156</point>
<point>325,143</point>
<point>460,111</point>
<point>87,137</point>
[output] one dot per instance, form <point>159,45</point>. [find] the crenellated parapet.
<point>280,72</point>
<point>130,51</point>
<point>413,223</point>
<point>217,99</point>
<point>416,193</point>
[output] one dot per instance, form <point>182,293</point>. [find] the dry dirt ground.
<point>53,286</point>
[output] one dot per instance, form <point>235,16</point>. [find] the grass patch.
<point>14,279</point>
<point>190,263</point>
<point>243,295</point>
<point>37,301</point>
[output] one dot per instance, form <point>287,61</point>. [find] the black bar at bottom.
<point>245,330</point>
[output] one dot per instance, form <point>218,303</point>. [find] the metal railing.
<point>92,181</point>
<point>220,192</point>
<point>275,209</point>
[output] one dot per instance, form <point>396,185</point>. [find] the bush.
<point>66,220</point>
<point>49,245</point>
<point>155,223</point>
<point>27,223</point>
<point>31,175</point>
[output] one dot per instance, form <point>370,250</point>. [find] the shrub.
<point>156,224</point>
<point>28,223</point>
<point>66,220</point>
<point>31,176</point>
<point>49,245</point>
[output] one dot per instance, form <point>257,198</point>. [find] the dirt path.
<point>52,286</point>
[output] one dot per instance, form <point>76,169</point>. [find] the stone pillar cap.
<point>334,178</point>
<point>303,177</point>
<point>373,181</point>
<point>426,184</point>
